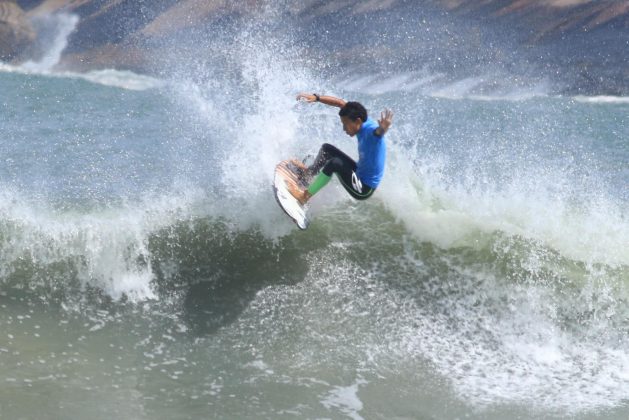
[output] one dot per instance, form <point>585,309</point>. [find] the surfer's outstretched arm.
<point>324,99</point>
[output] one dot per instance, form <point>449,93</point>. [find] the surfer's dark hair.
<point>354,111</point>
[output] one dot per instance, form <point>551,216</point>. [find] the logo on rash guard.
<point>356,184</point>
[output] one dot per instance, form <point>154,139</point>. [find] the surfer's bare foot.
<point>299,164</point>
<point>301,195</point>
<point>305,173</point>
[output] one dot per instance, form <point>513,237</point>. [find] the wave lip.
<point>106,249</point>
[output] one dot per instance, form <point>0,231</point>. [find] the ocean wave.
<point>105,249</point>
<point>131,251</point>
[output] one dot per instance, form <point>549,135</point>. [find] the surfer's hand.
<point>307,97</point>
<point>386,118</point>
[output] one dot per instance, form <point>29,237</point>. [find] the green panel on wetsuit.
<point>319,182</point>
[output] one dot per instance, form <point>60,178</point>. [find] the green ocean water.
<point>146,271</point>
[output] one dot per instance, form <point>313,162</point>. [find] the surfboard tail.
<point>287,173</point>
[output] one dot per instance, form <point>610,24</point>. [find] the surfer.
<point>359,179</point>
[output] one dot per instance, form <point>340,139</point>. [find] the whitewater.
<point>146,271</point>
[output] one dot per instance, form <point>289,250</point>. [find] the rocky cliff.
<point>586,42</point>
<point>16,32</point>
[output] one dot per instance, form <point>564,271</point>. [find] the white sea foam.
<point>519,354</point>
<point>603,99</point>
<point>450,215</point>
<point>345,399</point>
<point>122,79</point>
<point>109,247</point>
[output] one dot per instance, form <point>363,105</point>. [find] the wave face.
<point>144,257</point>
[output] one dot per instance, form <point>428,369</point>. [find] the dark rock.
<point>579,45</point>
<point>16,32</point>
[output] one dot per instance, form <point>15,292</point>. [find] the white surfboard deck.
<point>285,173</point>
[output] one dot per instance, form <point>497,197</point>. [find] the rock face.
<point>122,33</point>
<point>586,42</point>
<point>548,18</point>
<point>114,21</point>
<point>16,32</point>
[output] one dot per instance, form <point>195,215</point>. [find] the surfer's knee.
<point>328,148</point>
<point>333,165</point>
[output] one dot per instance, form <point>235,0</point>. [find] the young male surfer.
<point>361,178</point>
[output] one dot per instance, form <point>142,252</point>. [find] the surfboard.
<point>287,172</point>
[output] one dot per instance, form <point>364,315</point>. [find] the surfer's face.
<point>350,126</point>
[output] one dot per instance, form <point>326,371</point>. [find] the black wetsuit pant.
<point>331,160</point>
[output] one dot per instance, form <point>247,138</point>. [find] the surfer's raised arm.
<point>324,99</point>
<point>385,121</point>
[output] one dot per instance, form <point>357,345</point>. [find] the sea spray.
<point>53,31</point>
<point>249,116</point>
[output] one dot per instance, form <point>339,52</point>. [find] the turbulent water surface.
<point>146,271</point>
